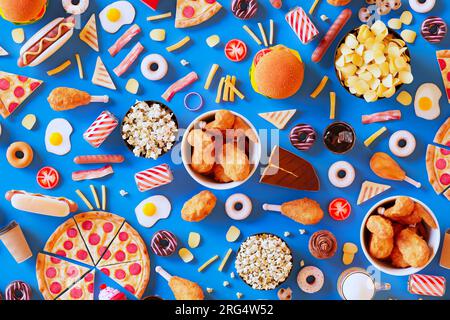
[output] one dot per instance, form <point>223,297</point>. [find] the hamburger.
<point>22,11</point>
<point>277,72</point>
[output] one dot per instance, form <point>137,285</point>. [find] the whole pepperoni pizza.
<point>193,12</point>
<point>443,134</point>
<point>98,239</point>
<point>438,168</point>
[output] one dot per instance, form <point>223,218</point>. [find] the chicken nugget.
<point>235,162</point>
<point>397,228</point>
<point>223,120</point>
<point>380,226</point>
<point>420,230</point>
<point>397,258</point>
<point>203,157</point>
<point>305,211</point>
<point>380,248</point>
<point>414,249</point>
<point>425,215</point>
<point>411,219</point>
<point>219,174</point>
<point>241,127</point>
<point>403,207</point>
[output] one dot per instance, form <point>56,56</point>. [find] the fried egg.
<point>57,136</point>
<point>426,102</point>
<point>117,14</point>
<point>152,209</point>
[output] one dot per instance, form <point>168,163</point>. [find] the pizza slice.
<point>447,194</point>
<point>438,168</point>
<point>128,246</point>
<point>55,275</point>
<point>443,134</point>
<point>193,12</point>
<point>98,229</point>
<point>132,276</point>
<point>443,57</point>
<point>81,290</point>
<point>14,90</point>
<point>66,242</point>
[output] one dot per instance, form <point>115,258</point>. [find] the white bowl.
<point>433,242</point>
<point>254,156</point>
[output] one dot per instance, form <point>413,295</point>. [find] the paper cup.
<point>14,240</point>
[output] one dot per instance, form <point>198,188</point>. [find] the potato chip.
<point>405,77</point>
<point>213,40</point>
<point>387,81</point>
<point>404,98</point>
<point>379,28</point>
<point>185,255</point>
<point>132,86</point>
<point>18,35</point>
<point>233,234</point>
<point>194,239</point>
<point>158,34</point>
<point>351,41</point>
<point>408,35</point>
<point>29,121</point>
<point>395,24</point>
<point>370,96</point>
<point>406,17</point>
<point>390,92</point>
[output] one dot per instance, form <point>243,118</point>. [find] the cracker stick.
<point>85,200</point>
<point>319,87</point>
<point>233,83</point>
<point>80,65</point>
<point>94,193</point>
<point>236,91</point>
<point>313,7</point>
<point>59,68</point>
<point>225,259</point>
<point>207,263</point>
<point>271,32</point>
<point>263,33</point>
<point>219,89</point>
<point>159,16</point>
<point>179,44</point>
<point>211,74</point>
<point>252,34</point>
<point>103,197</point>
<point>332,105</point>
<point>226,90</point>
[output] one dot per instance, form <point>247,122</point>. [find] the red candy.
<point>235,50</point>
<point>47,178</point>
<point>339,209</point>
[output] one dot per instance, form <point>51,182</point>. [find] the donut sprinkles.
<point>434,29</point>
<point>302,136</point>
<point>310,279</point>
<point>18,290</point>
<point>164,243</point>
<point>244,9</point>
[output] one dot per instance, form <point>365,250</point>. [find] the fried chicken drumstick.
<point>182,289</point>
<point>63,98</point>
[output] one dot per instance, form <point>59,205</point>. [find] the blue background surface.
<point>315,112</point>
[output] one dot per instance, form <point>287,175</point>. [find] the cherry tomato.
<point>47,178</point>
<point>236,50</point>
<point>339,209</point>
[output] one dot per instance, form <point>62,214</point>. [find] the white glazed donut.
<point>154,67</point>
<point>238,206</point>
<point>422,6</point>
<point>76,9</point>
<point>341,174</point>
<point>402,143</point>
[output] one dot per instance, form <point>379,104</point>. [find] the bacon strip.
<point>179,85</point>
<point>72,205</point>
<point>92,173</point>
<point>382,116</point>
<point>99,158</point>
<point>124,39</point>
<point>129,59</point>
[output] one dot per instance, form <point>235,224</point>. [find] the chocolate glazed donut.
<point>434,29</point>
<point>244,9</point>
<point>322,244</point>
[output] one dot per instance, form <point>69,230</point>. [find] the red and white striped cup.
<point>153,177</point>
<point>426,285</point>
<point>100,129</point>
<point>302,25</point>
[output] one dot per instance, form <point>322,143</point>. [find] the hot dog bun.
<point>22,11</point>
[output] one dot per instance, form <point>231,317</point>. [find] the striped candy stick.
<point>302,25</point>
<point>100,129</point>
<point>153,177</point>
<point>426,285</point>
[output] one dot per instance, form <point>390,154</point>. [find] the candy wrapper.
<point>100,129</point>
<point>426,285</point>
<point>302,25</point>
<point>153,177</point>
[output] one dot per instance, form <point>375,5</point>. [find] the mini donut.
<point>341,174</point>
<point>164,243</point>
<point>19,154</point>
<point>76,9</point>
<point>402,143</point>
<point>310,279</point>
<point>244,9</point>
<point>364,14</point>
<point>238,206</point>
<point>154,67</point>
<point>302,136</point>
<point>18,290</point>
<point>422,6</point>
<point>434,29</point>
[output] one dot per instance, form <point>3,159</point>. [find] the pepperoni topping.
<point>90,288</point>
<point>82,254</point>
<point>108,227</point>
<point>56,260</point>
<point>441,164</point>
<point>55,287</point>
<point>72,271</point>
<point>107,255</point>
<point>94,239</point>
<point>87,225</point>
<point>61,253</point>
<point>12,106</point>
<point>123,236</point>
<point>448,76</point>
<point>101,250</point>
<point>188,12</point>
<point>89,277</point>
<point>19,92</point>
<point>442,64</point>
<point>106,271</point>
<point>22,78</point>
<point>132,248</point>
<point>4,84</point>
<point>76,293</point>
<point>129,288</point>
<point>50,273</point>
<point>135,269</point>
<point>34,85</point>
<point>445,179</point>
<point>445,152</point>
<point>72,232</point>
<point>120,255</point>
<point>448,92</point>
<point>210,1</point>
<point>120,274</point>
<point>68,245</point>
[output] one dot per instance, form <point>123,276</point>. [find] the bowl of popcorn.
<point>221,149</point>
<point>149,129</point>
<point>373,62</point>
<point>264,261</point>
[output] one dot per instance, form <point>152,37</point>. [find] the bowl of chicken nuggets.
<point>400,235</point>
<point>221,149</point>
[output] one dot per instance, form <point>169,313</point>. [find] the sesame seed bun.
<point>277,73</point>
<point>22,11</point>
